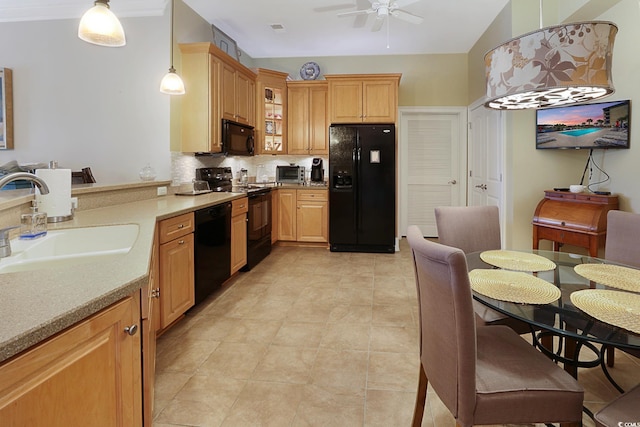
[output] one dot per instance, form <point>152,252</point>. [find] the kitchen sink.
<point>69,247</point>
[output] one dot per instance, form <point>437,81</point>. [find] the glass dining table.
<point>561,283</point>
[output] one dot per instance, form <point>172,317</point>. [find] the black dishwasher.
<point>212,249</point>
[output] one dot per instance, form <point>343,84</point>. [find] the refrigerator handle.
<point>354,195</point>
<point>359,193</point>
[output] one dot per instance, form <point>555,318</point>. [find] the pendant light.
<point>100,26</point>
<point>564,64</point>
<point>171,83</point>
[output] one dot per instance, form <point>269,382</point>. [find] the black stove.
<point>219,178</point>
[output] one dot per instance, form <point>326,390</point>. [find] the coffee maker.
<point>317,172</point>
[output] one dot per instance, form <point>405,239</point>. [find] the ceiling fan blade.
<point>361,20</point>
<point>377,24</point>
<point>333,8</point>
<point>406,16</point>
<point>356,12</point>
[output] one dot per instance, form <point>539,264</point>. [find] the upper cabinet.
<point>308,124</point>
<point>363,98</point>
<point>271,126</point>
<point>217,86</point>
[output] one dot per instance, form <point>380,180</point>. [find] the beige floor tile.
<point>234,360</point>
<point>393,315</point>
<point>388,408</point>
<point>185,356</point>
<point>286,364</point>
<point>254,331</point>
<point>346,336</point>
<point>310,311</point>
<point>346,369</point>
<point>349,313</point>
<point>187,413</point>
<point>265,404</point>
<point>168,384</point>
<point>300,334</point>
<point>394,339</point>
<point>393,371</point>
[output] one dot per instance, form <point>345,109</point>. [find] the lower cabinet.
<point>239,209</point>
<point>177,287</point>
<point>303,215</point>
<point>87,375</point>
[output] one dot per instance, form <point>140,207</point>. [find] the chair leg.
<point>420,398</point>
<point>611,351</point>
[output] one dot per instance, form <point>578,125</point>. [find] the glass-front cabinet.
<point>271,126</point>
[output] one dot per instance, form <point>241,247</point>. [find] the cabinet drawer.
<point>175,227</point>
<point>239,206</point>
<point>319,195</point>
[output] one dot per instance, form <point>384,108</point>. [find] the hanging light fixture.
<point>553,66</point>
<point>100,26</point>
<point>171,83</point>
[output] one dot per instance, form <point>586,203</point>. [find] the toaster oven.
<point>290,174</point>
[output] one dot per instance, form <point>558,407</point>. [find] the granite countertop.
<point>37,304</point>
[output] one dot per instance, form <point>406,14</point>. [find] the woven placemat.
<point>615,276</point>
<point>518,261</point>
<point>617,308</point>
<point>513,286</point>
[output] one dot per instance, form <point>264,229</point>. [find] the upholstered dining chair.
<point>622,411</point>
<point>621,245</point>
<point>473,229</point>
<point>485,376</point>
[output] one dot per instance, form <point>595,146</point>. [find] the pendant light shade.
<point>553,66</point>
<point>171,83</point>
<point>100,26</point>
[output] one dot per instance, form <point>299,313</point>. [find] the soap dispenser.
<point>33,224</point>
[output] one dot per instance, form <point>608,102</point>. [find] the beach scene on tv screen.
<point>601,125</point>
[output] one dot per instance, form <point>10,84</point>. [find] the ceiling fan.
<point>385,8</point>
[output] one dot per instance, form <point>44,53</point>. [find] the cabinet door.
<point>86,375</point>
<point>238,242</point>
<point>298,120</point>
<point>318,120</point>
<point>346,101</point>
<point>245,90</point>
<point>228,95</point>
<point>379,101</point>
<point>177,291</point>
<point>312,222</point>
<point>275,209</point>
<point>287,215</point>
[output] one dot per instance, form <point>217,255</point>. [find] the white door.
<point>432,159</point>
<point>486,158</point>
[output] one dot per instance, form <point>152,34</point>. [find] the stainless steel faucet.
<point>5,243</point>
<point>42,186</point>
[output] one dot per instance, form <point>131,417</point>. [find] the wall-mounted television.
<point>592,126</point>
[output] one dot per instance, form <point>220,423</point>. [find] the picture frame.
<point>225,43</point>
<point>6,109</point>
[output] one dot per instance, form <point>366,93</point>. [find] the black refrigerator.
<point>362,188</point>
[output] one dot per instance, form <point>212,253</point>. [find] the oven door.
<point>258,228</point>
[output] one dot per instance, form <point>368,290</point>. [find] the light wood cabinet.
<point>88,374</point>
<point>217,86</point>
<point>303,215</point>
<point>150,310</point>
<point>177,288</point>
<point>308,122</point>
<point>271,101</point>
<point>363,98</point>
<point>239,209</point>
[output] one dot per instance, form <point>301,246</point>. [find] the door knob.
<point>453,182</point>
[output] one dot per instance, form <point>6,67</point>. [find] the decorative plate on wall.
<point>310,71</point>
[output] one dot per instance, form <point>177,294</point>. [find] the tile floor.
<point>311,338</point>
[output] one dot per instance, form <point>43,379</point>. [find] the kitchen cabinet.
<point>275,209</point>
<point>308,122</point>
<point>363,98</point>
<point>88,374</point>
<point>271,100</point>
<point>239,209</point>
<point>150,309</point>
<point>176,271</point>
<point>303,215</point>
<point>217,86</point>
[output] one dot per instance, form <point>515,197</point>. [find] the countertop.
<point>37,304</point>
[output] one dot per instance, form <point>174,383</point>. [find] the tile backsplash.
<point>184,165</point>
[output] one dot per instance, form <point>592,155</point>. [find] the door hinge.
<point>470,174</point>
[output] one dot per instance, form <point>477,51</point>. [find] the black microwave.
<point>237,139</point>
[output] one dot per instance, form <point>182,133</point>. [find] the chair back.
<point>470,228</point>
<point>447,324</point>
<point>623,235</point>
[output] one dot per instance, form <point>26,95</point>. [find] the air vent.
<point>277,28</point>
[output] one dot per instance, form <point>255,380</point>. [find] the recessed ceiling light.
<point>278,28</point>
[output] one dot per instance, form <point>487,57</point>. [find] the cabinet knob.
<point>131,330</point>
<point>180,225</point>
<point>181,242</point>
<point>155,293</point>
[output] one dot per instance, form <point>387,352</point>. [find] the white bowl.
<point>577,188</point>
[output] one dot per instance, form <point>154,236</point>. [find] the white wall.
<point>86,105</point>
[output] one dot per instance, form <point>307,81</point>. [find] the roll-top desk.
<point>578,219</point>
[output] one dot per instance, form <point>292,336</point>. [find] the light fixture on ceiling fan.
<point>553,66</point>
<point>171,83</point>
<point>100,26</point>
<point>385,8</point>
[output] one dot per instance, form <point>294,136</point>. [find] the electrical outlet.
<point>162,191</point>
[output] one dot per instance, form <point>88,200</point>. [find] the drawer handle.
<point>563,223</point>
<point>180,225</point>
<point>131,330</point>
<point>181,242</point>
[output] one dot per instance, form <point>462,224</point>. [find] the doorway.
<point>432,160</point>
